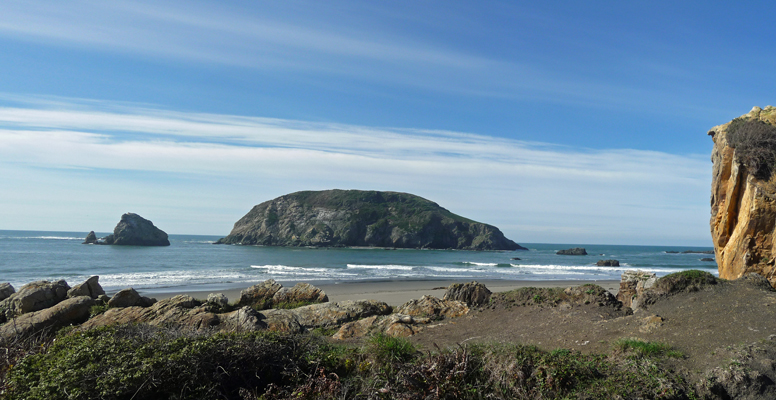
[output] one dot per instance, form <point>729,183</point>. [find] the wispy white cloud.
<point>306,43</point>
<point>618,195</point>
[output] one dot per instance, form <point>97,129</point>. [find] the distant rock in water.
<point>340,218</point>
<point>576,251</point>
<point>707,259</point>
<point>608,263</point>
<point>91,238</point>
<point>132,230</point>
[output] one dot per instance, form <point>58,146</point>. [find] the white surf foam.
<point>387,266</point>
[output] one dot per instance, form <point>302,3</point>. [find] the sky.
<point>558,122</point>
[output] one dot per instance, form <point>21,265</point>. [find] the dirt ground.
<point>706,325</point>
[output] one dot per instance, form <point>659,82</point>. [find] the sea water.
<point>194,262</point>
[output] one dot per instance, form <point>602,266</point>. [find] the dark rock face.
<point>362,218</point>
<point>707,259</point>
<point>134,230</point>
<point>129,298</point>
<point>6,290</point>
<point>576,251</point>
<point>91,238</point>
<point>608,263</point>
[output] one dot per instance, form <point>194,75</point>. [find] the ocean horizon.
<point>193,262</point>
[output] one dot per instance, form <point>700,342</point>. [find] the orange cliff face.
<point>743,209</point>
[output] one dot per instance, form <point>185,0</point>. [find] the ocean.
<point>192,262</point>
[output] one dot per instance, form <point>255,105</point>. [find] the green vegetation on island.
<point>341,218</point>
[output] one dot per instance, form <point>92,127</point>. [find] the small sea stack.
<point>132,230</point>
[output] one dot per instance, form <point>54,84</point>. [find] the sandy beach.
<point>394,293</point>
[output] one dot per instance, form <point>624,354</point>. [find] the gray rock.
<point>91,287</point>
<point>323,315</point>
<point>67,312</point>
<point>91,238</point>
<point>633,283</point>
<point>259,296</point>
<point>6,290</point>
<point>34,296</point>
<point>608,263</point>
<point>181,311</point>
<point>244,319</point>
<point>707,259</point>
<point>434,308</point>
<point>474,294</point>
<point>576,251</point>
<point>129,298</point>
<point>218,299</point>
<point>134,230</point>
<point>301,293</point>
<point>362,218</point>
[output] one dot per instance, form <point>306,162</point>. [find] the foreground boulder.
<point>132,230</point>
<point>129,298</point>
<point>91,287</point>
<point>270,294</point>
<point>68,312</point>
<point>633,283</point>
<point>34,296</point>
<point>324,315</point>
<point>362,218</point>
<point>474,294</point>
<point>743,197</point>
<point>576,251</point>
<point>6,290</point>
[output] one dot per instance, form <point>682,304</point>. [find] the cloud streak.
<point>534,191</point>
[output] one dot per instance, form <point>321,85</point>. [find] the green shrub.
<point>387,349</point>
<point>647,349</point>
<point>755,144</point>
<point>690,280</point>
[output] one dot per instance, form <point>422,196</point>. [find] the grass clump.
<point>647,349</point>
<point>755,144</point>
<point>689,280</point>
<point>389,349</point>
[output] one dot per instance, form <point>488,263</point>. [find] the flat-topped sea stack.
<point>350,218</point>
<point>132,230</point>
<point>743,195</point>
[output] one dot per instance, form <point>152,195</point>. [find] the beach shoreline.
<point>392,292</point>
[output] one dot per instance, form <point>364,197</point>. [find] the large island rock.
<point>362,218</point>
<point>743,195</point>
<point>132,230</point>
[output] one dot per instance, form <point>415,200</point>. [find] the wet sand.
<point>394,293</point>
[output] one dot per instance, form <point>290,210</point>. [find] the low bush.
<point>755,144</point>
<point>689,280</point>
<point>139,361</point>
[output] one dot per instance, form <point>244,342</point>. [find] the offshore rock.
<point>67,312</point>
<point>34,296</point>
<point>743,207</point>
<point>608,263</point>
<point>91,238</point>
<point>134,230</point>
<point>576,251</point>
<point>362,218</point>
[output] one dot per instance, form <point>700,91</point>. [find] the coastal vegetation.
<point>140,361</point>
<point>755,144</point>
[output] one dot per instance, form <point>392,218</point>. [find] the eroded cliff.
<point>743,195</point>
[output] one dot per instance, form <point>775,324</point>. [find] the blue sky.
<point>555,121</point>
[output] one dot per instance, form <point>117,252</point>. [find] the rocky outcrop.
<point>71,311</point>
<point>181,310</point>
<point>91,287</point>
<point>91,238</point>
<point>632,284</point>
<point>6,290</point>
<point>743,201</point>
<point>270,294</point>
<point>362,218</point>
<point>129,298</point>
<point>34,296</point>
<point>576,251</point>
<point>473,294</point>
<point>434,308</point>
<point>324,315</point>
<point>607,263</point>
<point>132,230</point>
